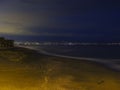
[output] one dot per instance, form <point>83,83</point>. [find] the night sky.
<point>60,20</point>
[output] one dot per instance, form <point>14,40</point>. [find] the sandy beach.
<point>25,69</point>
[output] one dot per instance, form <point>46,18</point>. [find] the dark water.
<point>109,54</point>
<point>101,52</point>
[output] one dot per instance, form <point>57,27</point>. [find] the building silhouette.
<point>5,43</point>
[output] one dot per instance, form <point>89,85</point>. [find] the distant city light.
<point>62,43</point>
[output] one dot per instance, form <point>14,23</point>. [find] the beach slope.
<point>24,69</point>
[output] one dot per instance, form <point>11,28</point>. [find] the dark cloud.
<point>78,19</point>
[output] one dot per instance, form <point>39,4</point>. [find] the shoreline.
<point>102,62</point>
<point>39,71</point>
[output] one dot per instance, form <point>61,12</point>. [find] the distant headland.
<point>6,43</point>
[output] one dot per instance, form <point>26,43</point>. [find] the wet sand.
<point>24,69</point>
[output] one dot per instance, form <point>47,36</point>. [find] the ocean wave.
<point>107,62</point>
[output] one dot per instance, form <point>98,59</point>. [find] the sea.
<point>108,55</point>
